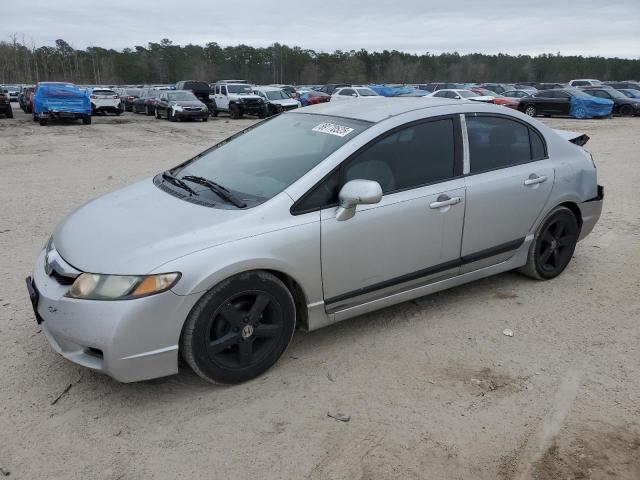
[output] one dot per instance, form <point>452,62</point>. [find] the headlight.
<point>93,286</point>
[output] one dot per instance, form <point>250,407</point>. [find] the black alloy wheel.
<point>239,328</point>
<point>553,246</point>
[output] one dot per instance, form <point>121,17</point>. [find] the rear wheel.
<point>530,110</point>
<point>86,120</point>
<point>239,329</point>
<point>553,245</point>
<point>626,110</point>
<point>43,121</point>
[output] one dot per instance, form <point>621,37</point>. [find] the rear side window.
<point>411,157</point>
<point>538,151</point>
<point>496,142</point>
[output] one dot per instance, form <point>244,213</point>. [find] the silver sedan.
<point>307,219</point>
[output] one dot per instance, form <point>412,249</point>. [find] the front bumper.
<point>129,340</point>
<point>192,113</point>
<point>590,212</point>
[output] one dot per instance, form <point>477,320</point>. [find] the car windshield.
<point>181,97</point>
<point>467,94</point>
<point>239,88</point>
<point>615,93</point>
<point>631,93</point>
<point>366,92</point>
<point>256,168</point>
<point>277,94</point>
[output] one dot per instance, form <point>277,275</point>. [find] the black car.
<point>127,96</point>
<point>5,104</point>
<point>622,105</point>
<point>201,90</point>
<point>630,84</point>
<point>558,102</point>
<point>180,104</point>
<point>146,102</point>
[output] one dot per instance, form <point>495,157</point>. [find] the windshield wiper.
<point>216,188</point>
<point>179,183</point>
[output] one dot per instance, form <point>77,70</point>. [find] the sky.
<point>608,28</point>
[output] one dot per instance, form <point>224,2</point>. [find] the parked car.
<point>127,97</point>
<point>622,104</point>
<point>354,93</point>
<point>497,87</point>
<point>460,94</point>
<point>238,99</point>
<point>584,82</point>
<point>290,89</point>
<point>146,102</point>
<point>508,102</point>
<point>625,85</point>
<point>13,91</point>
<point>60,100</point>
<point>105,101</point>
<point>331,87</point>
<point>549,85</point>
<point>277,99</point>
<point>483,91</point>
<point>313,97</point>
<point>5,104</point>
<point>566,101</point>
<point>432,87</point>
<point>200,89</point>
<point>630,92</point>
<point>517,93</point>
<point>225,254</point>
<point>178,105</point>
<point>25,99</point>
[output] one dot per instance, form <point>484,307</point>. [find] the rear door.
<point>561,102</point>
<point>509,182</point>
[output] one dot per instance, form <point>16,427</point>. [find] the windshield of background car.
<point>259,163</point>
<point>366,92</point>
<point>239,88</point>
<point>182,97</point>
<point>277,95</point>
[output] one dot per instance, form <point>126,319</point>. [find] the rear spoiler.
<point>579,139</point>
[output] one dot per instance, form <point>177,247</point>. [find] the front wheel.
<point>239,328</point>
<point>626,111</point>
<point>553,245</point>
<point>530,110</point>
<point>234,111</point>
<point>43,121</point>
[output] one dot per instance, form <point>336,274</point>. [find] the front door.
<point>414,234</point>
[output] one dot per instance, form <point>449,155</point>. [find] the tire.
<point>580,112</point>
<point>205,119</point>
<point>157,114</point>
<point>239,328</point>
<point>530,110</point>
<point>43,121</point>
<point>86,120</point>
<point>272,110</point>
<point>118,112</point>
<point>234,111</point>
<point>553,245</point>
<point>263,113</point>
<point>9,113</point>
<point>626,111</point>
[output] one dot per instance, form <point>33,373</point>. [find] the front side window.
<point>408,158</point>
<point>256,168</point>
<point>347,92</point>
<point>239,88</point>
<point>496,142</point>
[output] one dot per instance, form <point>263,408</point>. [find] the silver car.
<point>363,206</point>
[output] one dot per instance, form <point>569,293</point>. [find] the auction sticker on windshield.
<point>333,129</point>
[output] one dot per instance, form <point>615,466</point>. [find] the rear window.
<point>104,92</point>
<point>197,86</point>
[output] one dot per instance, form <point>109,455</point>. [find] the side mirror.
<point>354,193</point>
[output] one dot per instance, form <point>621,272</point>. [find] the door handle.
<point>534,179</point>
<point>444,201</point>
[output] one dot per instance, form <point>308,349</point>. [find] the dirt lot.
<point>433,387</point>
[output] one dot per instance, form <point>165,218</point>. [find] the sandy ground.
<point>433,387</point>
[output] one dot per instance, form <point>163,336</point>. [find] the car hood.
<point>140,227</point>
<point>284,101</point>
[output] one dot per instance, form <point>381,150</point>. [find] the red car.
<point>497,98</point>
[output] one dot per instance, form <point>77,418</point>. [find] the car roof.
<point>267,88</point>
<point>379,110</point>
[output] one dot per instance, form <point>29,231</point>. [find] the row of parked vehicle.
<point>190,99</point>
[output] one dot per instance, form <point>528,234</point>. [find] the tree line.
<point>165,62</point>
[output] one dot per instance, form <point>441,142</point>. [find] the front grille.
<point>61,279</point>
<point>192,109</point>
